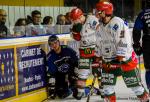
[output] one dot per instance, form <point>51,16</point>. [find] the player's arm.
<point>123,40</point>
<point>51,68</point>
<point>138,26</point>
<point>74,57</point>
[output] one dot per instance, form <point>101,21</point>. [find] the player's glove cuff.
<point>77,27</point>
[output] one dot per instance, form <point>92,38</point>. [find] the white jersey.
<point>88,32</point>
<point>114,39</point>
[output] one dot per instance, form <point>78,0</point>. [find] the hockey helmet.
<point>105,6</point>
<point>53,38</point>
<point>75,14</point>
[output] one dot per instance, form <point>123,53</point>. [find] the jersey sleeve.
<point>139,23</point>
<point>51,68</point>
<point>138,26</point>
<point>123,39</point>
<point>74,57</point>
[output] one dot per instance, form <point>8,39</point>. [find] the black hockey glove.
<point>77,27</point>
<point>138,49</point>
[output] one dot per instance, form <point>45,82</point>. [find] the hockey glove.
<point>138,49</point>
<point>76,36</point>
<point>108,66</point>
<point>77,28</point>
<point>96,68</point>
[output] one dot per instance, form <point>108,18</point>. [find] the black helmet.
<point>52,38</point>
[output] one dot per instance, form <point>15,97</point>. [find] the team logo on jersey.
<point>88,51</point>
<point>64,68</point>
<point>94,23</point>
<point>115,27</point>
<point>126,23</point>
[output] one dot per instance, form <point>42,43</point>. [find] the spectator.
<point>61,20</point>
<point>4,31</point>
<point>35,28</point>
<point>48,20</point>
<point>29,19</point>
<point>68,21</point>
<point>61,26</point>
<point>48,24</point>
<point>19,29</point>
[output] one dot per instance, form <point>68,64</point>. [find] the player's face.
<point>99,15</point>
<point>102,17</point>
<point>37,19</point>
<point>55,45</point>
<point>3,16</point>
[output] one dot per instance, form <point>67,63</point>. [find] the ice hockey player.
<point>114,46</point>
<point>142,23</point>
<point>83,31</point>
<point>61,62</point>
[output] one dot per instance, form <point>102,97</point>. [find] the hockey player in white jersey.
<point>118,58</point>
<point>84,30</point>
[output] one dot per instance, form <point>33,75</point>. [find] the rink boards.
<point>22,71</point>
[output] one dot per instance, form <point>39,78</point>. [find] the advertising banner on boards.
<point>7,73</point>
<point>31,68</point>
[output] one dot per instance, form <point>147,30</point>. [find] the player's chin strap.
<point>139,62</point>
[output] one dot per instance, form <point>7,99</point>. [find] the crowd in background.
<point>34,25</point>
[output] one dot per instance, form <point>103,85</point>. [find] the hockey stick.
<point>139,69</point>
<point>47,89</point>
<point>91,88</point>
<point>139,65</point>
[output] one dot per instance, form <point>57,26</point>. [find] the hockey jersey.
<point>114,39</point>
<point>143,22</point>
<point>62,62</point>
<point>88,31</point>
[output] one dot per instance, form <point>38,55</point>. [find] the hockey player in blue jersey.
<point>142,23</point>
<point>61,62</point>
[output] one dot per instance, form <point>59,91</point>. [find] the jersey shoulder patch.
<point>115,27</point>
<point>93,21</point>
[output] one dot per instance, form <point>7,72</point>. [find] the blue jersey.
<point>63,62</point>
<point>142,23</point>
